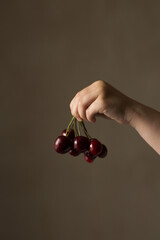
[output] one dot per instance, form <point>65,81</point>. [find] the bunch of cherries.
<point>73,142</point>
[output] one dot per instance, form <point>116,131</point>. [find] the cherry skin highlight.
<point>81,143</point>
<point>62,144</point>
<point>103,152</point>
<point>95,147</point>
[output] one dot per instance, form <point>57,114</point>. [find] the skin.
<point>102,99</point>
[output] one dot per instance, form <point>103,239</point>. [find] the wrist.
<point>132,110</point>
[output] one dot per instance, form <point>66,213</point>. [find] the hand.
<point>101,99</point>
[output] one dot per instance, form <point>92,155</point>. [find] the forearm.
<point>146,122</point>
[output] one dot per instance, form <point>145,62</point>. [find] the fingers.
<point>74,111</point>
<point>87,102</point>
<point>83,111</point>
<point>93,110</point>
<point>80,103</point>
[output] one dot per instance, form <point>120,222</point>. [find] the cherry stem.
<point>69,126</point>
<point>75,127</point>
<point>78,129</point>
<point>85,130</point>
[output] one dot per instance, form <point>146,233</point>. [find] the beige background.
<point>50,50</point>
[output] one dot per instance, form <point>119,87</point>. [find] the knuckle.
<point>78,94</point>
<point>100,83</point>
<point>100,86</point>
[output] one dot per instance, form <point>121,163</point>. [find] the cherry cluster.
<point>73,142</point>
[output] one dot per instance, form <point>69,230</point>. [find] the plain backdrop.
<point>49,50</point>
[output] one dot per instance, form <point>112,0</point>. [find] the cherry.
<point>95,147</point>
<point>89,157</point>
<point>81,143</point>
<point>76,145</point>
<point>74,153</point>
<point>70,134</point>
<point>103,152</point>
<point>62,144</point>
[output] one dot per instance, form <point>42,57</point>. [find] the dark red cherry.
<point>89,157</point>
<point>70,134</point>
<point>74,153</point>
<point>81,143</point>
<point>62,144</point>
<point>103,152</point>
<point>95,147</point>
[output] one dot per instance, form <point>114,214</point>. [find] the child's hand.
<point>102,99</point>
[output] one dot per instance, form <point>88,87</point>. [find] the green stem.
<point>78,129</point>
<point>69,126</point>
<point>75,128</point>
<point>85,130</point>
